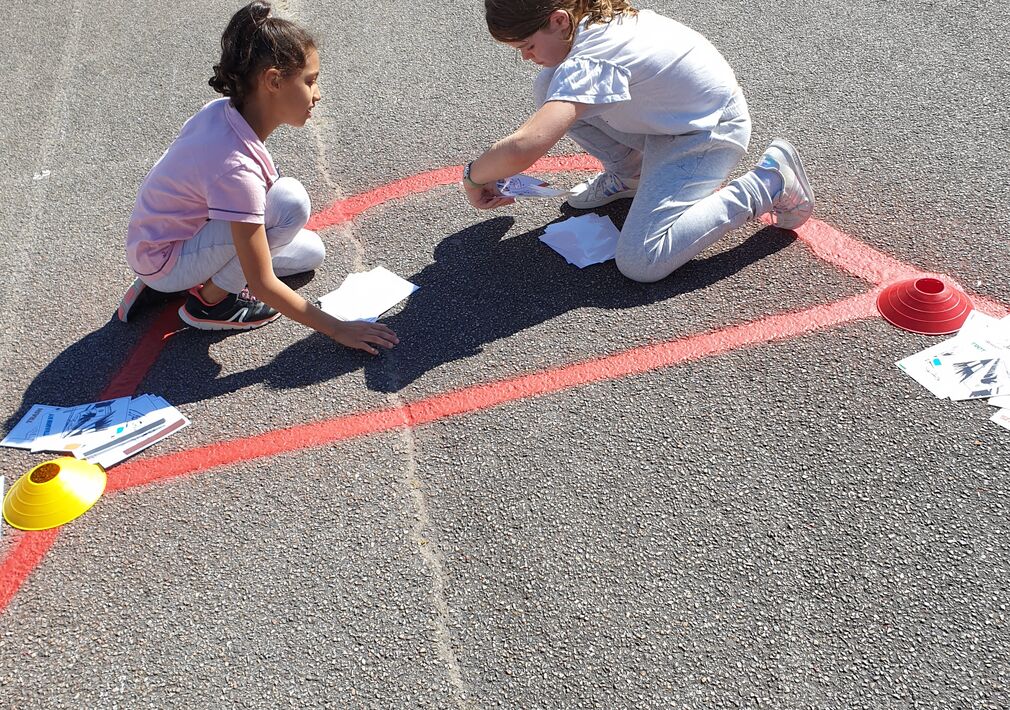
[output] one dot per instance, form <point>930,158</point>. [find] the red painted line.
<point>852,255</point>
<point>827,243</point>
<point>988,305</point>
<point>145,471</point>
<point>145,353</point>
<point>31,546</point>
<point>23,556</point>
<point>346,210</point>
<point>872,265</point>
<point>492,394</point>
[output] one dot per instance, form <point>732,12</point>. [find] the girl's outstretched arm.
<point>254,254</point>
<point>519,151</point>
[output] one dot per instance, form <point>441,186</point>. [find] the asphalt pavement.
<point>789,522</point>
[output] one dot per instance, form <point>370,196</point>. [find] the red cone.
<point>924,305</point>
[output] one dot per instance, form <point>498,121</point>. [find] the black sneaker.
<point>236,312</point>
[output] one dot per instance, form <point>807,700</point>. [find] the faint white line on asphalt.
<point>39,190</point>
<point>346,232</point>
<point>431,556</point>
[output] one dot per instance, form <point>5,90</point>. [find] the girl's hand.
<point>517,152</point>
<point>362,335</point>
<point>485,197</point>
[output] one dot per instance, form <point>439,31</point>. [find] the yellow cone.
<point>53,493</point>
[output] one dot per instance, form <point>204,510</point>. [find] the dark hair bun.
<point>259,10</point>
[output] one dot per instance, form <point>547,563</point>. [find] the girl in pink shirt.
<point>213,216</point>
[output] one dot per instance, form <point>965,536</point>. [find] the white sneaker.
<point>600,190</point>
<point>795,203</point>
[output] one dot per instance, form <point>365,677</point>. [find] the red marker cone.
<point>924,305</point>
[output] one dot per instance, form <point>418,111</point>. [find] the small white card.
<point>526,186</point>
<point>366,296</point>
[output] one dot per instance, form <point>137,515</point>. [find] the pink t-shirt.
<point>216,169</point>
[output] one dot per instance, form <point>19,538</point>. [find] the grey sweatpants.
<point>210,253</point>
<point>679,209</point>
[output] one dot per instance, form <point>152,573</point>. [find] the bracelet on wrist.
<point>467,180</point>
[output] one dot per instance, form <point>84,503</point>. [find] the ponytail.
<point>603,11</point>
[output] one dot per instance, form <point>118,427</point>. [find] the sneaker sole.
<point>129,298</point>
<point>201,324</point>
<point>797,217</point>
<point>599,203</point>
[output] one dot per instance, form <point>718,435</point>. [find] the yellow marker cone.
<point>53,493</point>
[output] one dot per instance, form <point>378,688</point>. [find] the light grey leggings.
<point>679,209</point>
<point>210,254</point>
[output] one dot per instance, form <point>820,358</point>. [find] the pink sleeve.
<point>238,195</point>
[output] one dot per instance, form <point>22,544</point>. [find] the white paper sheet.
<point>526,187</point>
<point>29,428</point>
<point>584,240</point>
<point>366,296</point>
<point>966,366</point>
<point>152,419</point>
<point>72,426</point>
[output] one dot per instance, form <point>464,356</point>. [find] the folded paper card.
<point>526,186</point>
<point>585,240</point>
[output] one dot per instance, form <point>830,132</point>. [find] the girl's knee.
<point>314,249</point>
<point>289,197</point>
<point>632,269</point>
<point>639,270</point>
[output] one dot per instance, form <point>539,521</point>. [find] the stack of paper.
<point>366,296</point>
<point>585,240</point>
<point>526,186</point>
<point>104,432</point>
<point>974,364</point>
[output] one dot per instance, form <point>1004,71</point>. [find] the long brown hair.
<point>515,20</point>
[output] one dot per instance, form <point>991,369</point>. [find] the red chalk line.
<point>346,210</point>
<point>23,556</point>
<point>28,549</point>
<point>830,245</point>
<point>484,396</point>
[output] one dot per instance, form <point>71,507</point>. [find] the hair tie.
<point>258,22</point>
